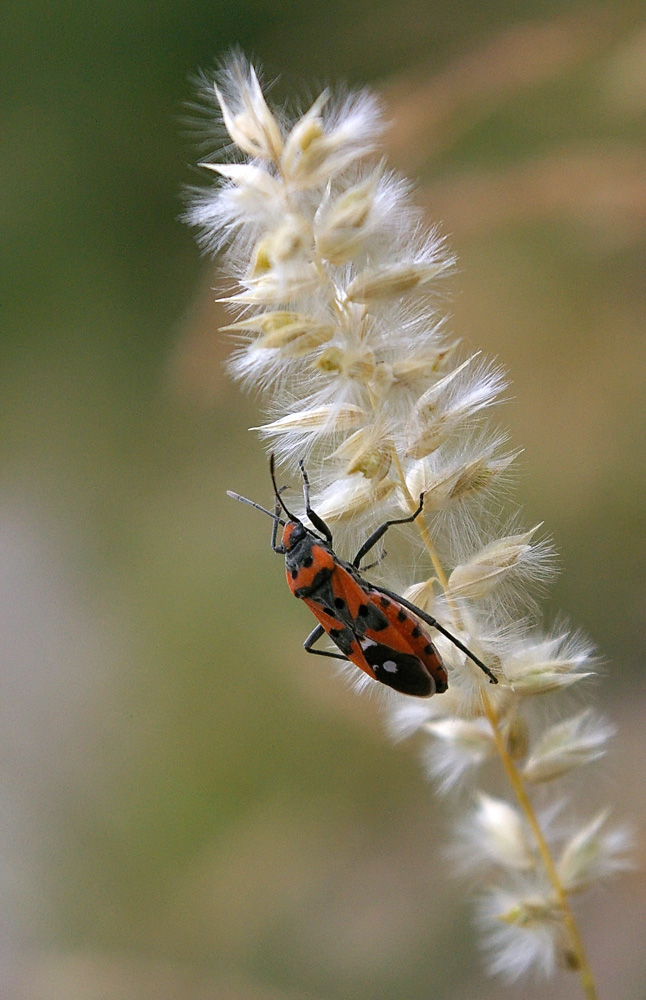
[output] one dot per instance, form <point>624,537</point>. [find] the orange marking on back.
<point>321,559</point>
<point>347,588</point>
<point>329,622</point>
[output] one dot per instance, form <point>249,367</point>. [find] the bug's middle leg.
<point>381,531</point>
<point>380,558</point>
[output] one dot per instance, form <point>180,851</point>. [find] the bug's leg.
<point>382,555</point>
<point>433,622</point>
<point>314,636</point>
<point>317,521</point>
<point>274,534</point>
<point>381,531</point>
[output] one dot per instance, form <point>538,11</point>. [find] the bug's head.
<point>294,530</point>
<point>293,533</point>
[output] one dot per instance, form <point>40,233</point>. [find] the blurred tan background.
<point>189,807</point>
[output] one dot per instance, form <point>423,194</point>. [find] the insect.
<point>371,626</point>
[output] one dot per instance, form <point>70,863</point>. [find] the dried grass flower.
<point>335,285</point>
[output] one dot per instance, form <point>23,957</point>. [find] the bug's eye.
<point>295,535</point>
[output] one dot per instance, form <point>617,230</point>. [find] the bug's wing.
<point>360,627</point>
<point>392,646</point>
<point>404,632</point>
<point>397,669</point>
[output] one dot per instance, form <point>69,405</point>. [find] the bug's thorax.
<point>309,561</point>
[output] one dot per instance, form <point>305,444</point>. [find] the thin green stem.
<point>580,961</point>
<point>518,786</point>
<point>422,528</point>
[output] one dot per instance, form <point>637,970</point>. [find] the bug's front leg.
<point>274,534</point>
<point>314,636</point>
<point>315,518</point>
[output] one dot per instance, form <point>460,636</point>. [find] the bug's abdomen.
<point>406,634</point>
<point>378,636</point>
<point>396,667</point>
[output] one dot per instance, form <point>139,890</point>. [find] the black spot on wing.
<point>401,671</point>
<point>371,617</point>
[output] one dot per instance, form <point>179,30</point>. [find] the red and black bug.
<point>372,627</point>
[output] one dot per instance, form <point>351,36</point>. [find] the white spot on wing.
<point>364,643</point>
<point>390,666</point>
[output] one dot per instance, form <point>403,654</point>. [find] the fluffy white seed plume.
<point>548,665</point>
<point>458,746</point>
<point>493,565</point>
<point>496,834</point>
<point>522,932</point>
<point>469,469</point>
<point>594,853</point>
<point>567,745</point>
<point>332,284</point>
<point>247,118</point>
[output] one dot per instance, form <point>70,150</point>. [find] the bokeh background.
<point>188,807</point>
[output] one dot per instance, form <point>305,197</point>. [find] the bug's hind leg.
<point>433,622</point>
<point>381,531</point>
<point>314,636</point>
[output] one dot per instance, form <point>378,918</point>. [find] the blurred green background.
<point>188,808</point>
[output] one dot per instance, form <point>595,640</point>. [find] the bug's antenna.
<point>274,517</point>
<point>277,492</point>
